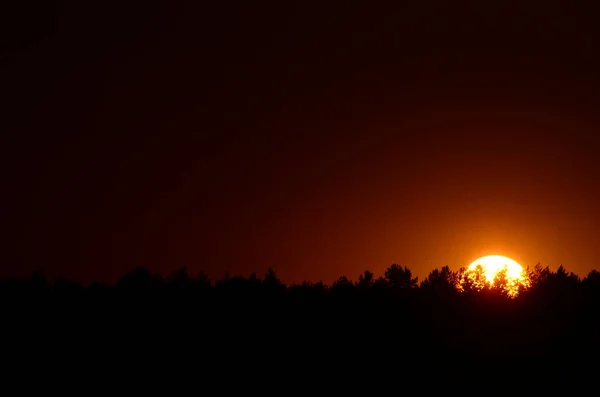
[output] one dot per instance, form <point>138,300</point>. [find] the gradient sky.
<point>320,140</point>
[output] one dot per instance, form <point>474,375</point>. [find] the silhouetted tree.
<point>380,284</point>
<point>202,280</point>
<point>399,277</point>
<point>471,281</point>
<point>568,279</point>
<point>592,280</point>
<point>551,283</point>
<point>320,286</point>
<point>342,284</point>
<point>180,279</point>
<point>99,289</point>
<point>538,274</point>
<point>38,281</point>
<point>503,286</point>
<point>66,285</point>
<point>365,280</point>
<point>139,279</point>
<point>442,281</point>
<point>272,282</point>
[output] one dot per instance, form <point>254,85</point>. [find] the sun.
<point>485,270</point>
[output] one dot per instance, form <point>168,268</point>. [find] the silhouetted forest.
<point>260,324</point>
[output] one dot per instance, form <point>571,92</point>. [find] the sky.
<point>320,139</point>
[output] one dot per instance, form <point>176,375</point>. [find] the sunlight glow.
<point>487,269</point>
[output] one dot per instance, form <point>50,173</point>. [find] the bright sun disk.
<point>492,265</point>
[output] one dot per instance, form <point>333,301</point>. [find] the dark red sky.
<point>318,139</point>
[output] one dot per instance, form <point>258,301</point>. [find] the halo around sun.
<point>485,270</point>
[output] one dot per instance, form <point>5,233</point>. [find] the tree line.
<point>447,320</point>
<point>440,281</point>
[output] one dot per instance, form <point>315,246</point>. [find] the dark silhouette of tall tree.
<point>566,278</point>
<point>472,280</point>
<point>272,282</point>
<point>66,285</point>
<point>548,282</point>
<point>538,274</point>
<point>342,284</point>
<point>366,280</point>
<point>180,278</point>
<point>139,279</point>
<point>38,281</point>
<point>592,280</point>
<point>202,280</point>
<point>442,281</point>
<point>399,277</point>
<point>503,286</point>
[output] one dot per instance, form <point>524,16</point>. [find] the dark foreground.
<point>270,333</point>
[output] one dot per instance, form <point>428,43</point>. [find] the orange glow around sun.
<point>495,271</point>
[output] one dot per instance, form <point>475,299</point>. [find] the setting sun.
<point>485,270</point>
